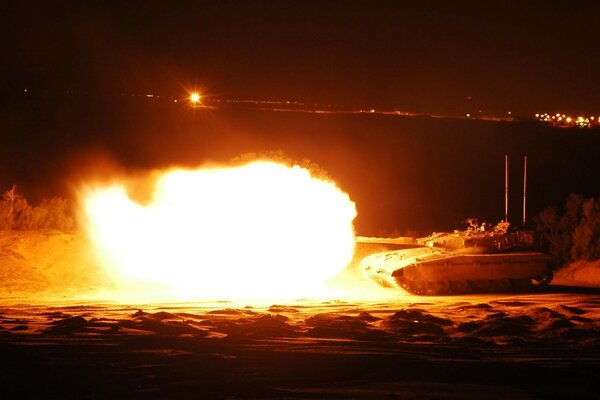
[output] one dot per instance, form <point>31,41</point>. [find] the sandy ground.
<point>525,346</point>
<point>581,273</point>
<point>47,262</point>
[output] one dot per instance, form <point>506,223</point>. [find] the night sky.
<point>419,56</point>
<point>70,69</point>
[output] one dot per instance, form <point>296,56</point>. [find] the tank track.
<point>435,288</point>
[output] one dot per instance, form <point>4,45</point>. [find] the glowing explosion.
<point>257,231</point>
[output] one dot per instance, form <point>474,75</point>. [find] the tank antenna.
<point>506,187</point>
<point>524,187</point>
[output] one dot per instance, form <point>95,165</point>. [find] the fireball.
<point>262,230</point>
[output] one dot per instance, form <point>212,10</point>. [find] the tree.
<point>586,236</point>
<point>16,213</point>
<point>572,233</point>
<point>12,208</point>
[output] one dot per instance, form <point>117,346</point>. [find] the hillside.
<point>38,263</point>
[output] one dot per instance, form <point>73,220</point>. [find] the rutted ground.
<point>486,346</point>
<point>567,318</point>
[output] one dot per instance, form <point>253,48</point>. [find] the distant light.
<point>372,110</point>
<point>174,101</point>
<point>509,113</point>
<point>569,119</point>
<point>537,115</point>
<point>149,95</point>
<point>195,98</point>
<point>468,115</point>
<point>25,90</point>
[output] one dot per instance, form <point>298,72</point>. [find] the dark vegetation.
<point>571,233</point>
<point>16,213</point>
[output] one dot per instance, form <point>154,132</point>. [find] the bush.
<point>16,213</point>
<point>586,237</point>
<point>573,233</point>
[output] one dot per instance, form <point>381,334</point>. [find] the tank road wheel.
<point>521,285</point>
<point>418,287</point>
<point>459,287</point>
<point>480,286</point>
<point>430,288</point>
<point>500,285</point>
<point>438,287</point>
<point>402,281</point>
<point>545,279</point>
<point>405,285</point>
<point>444,287</point>
<point>415,287</point>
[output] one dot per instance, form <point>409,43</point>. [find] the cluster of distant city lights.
<point>567,121</point>
<point>559,120</point>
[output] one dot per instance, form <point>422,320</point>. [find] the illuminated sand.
<point>70,345</point>
<point>48,265</point>
<point>532,346</point>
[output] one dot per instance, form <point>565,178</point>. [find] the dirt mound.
<point>582,272</point>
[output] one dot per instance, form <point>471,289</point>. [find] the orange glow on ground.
<point>262,230</point>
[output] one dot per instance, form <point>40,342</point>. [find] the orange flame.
<point>262,230</point>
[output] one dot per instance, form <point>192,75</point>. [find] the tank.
<point>480,259</point>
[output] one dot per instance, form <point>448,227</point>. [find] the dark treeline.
<point>572,232</point>
<point>17,214</point>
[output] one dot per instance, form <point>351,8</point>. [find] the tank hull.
<point>479,266</point>
<point>427,271</point>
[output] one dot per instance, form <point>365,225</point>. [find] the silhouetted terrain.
<point>403,172</point>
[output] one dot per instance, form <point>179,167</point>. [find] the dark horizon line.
<point>293,104</point>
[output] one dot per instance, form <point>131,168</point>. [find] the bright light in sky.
<point>195,97</point>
